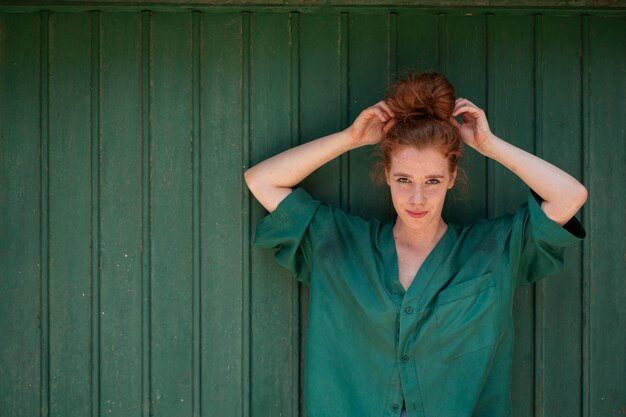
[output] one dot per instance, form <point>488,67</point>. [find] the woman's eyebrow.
<point>402,174</point>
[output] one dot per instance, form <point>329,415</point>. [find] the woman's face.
<point>419,180</point>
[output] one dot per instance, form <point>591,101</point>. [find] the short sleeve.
<point>538,243</point>
<point>285,230</point>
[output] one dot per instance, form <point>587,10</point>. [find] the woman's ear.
<point>452,179</point>
<point>387,176</point>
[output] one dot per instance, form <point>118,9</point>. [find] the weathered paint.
<point>128,283</point>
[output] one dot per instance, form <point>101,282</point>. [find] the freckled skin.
<point>418,181</point>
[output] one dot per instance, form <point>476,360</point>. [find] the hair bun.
<point>428,95</point>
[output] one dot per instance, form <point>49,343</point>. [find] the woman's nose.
<point>417,196</point>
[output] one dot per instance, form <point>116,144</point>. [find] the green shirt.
<point>444,346</point>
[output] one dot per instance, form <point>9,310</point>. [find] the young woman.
<point>413,317</point>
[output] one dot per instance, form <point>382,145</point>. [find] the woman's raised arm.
<point>272,180</point>
<point>563,195</point>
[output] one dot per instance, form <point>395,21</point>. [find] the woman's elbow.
<point>577,198</point>
<point>581,195</point>
<point>250,178</point>
<point>563,208</point>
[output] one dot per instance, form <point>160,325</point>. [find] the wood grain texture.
<point>607,217</point>
<point>222,239</point>
<point>170,217</point>
<point>20,229</point>
<point>464,61</point>
<point>417,42</point>
<point>320,92</point>
<point>71,260</point>
<point>368,47</point>
<point>121,214</point>
<point>126,262</point>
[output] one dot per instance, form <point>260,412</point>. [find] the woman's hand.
<point>475,130</point>
<point>372,124</point>
<point>272,179</point>
<point>562,194</point>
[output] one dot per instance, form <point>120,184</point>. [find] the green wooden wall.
<point>129,286</point>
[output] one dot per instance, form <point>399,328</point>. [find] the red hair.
<point>422,105</point>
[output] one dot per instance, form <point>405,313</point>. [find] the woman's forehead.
<point>418,162</point>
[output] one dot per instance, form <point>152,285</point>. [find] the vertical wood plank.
<point>146,325</point>
<point>20,229</point>
<point>246,397</point>
<point>586,128</point>
<point>45,211</point>
<point>607,217</point>
<point>171,214</point>
<point>368,49</point>
<point>70,214</point>
<point>272,355</point>
<point>95,213</point>
<point>511,117</point>
<point>465,57</point>
<point>559,141</point>
<point>196,335</point>
<point>120,214</point>
<point>222,236</point>
<point>320,104</point>
<point>417,38</point>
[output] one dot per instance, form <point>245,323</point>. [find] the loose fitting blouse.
<point>444,346</point>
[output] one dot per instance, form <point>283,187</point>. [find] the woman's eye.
<point>403,180</point>
<point>433,181</point>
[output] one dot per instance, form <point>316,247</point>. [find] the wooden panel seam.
<point>294,43</point>
<point>95,214</point>
<point>196,218</point>
<point>246,212</point>
<point>537,289</point>
<point>586,266</point>
<point>146,397</point>
<point>45,220</point>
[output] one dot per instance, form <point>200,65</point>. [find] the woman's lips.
<point>417,214</point>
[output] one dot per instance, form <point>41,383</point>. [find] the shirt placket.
<point>410,318</point>
<point>393,405</point>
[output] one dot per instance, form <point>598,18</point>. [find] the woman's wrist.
<point>490,147</point>
<point>350,141</point>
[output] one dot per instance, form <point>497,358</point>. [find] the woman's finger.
<point>382,115</point>
<point>389,125</point>
<point>387,109</point>
<point>455,122</point>
<point>473,110</point>
<point>468,118</point>
<point>463,103</point>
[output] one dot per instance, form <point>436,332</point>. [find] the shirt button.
<point>405,358</point>
<point>395,407</point>
<point>408,310</point>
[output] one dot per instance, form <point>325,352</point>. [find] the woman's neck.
<point>424,238</point>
